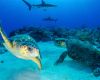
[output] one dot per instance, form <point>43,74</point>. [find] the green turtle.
<point>22,46</point>
<point>81,51</point>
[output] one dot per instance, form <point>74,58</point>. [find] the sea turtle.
<point>83,52</point>
<point>22,46</point>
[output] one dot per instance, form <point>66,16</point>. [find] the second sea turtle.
<point>81,51</point>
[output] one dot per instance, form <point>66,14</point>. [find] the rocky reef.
<point>39,34</point>
<point>42,34</point>
<point>47,34</point>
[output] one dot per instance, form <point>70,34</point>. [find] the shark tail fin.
<point>28,4</point>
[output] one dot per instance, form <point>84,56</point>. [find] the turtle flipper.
<point>0,27</point>
<point>61,58</point>
<point>96,72</point>
<point>38,62</point>
<point>7,42</point>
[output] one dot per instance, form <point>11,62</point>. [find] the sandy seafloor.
<point>17,69</point>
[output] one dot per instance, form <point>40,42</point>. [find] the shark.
<point>50,19</point>
<point>28,4</point>
<point>43,4</point>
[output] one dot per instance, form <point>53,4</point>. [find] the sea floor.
<point>17,69</point>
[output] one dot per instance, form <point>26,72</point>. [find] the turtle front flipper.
<point>38,62</point>
<point>7,42</point>
<point>61,58</point>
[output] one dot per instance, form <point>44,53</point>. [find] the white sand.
<point>17,69</point>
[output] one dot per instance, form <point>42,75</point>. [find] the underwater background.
<point>66,26</point>
<point>70,13</point>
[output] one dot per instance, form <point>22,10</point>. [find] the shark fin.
<point>43,2</point>
<point>28,4</point>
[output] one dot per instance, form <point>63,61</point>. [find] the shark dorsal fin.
<point>43,2</point>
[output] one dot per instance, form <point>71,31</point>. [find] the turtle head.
<point>35,53</point>
<point>61,42</point>
<point>31,53</point>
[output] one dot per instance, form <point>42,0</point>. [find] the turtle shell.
<point>24,40</point>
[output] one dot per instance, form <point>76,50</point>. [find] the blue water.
<point>70,13</point>
<point>14,14</point>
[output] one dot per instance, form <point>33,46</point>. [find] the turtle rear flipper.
<point>96,72</point>
<point>61,58</point>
